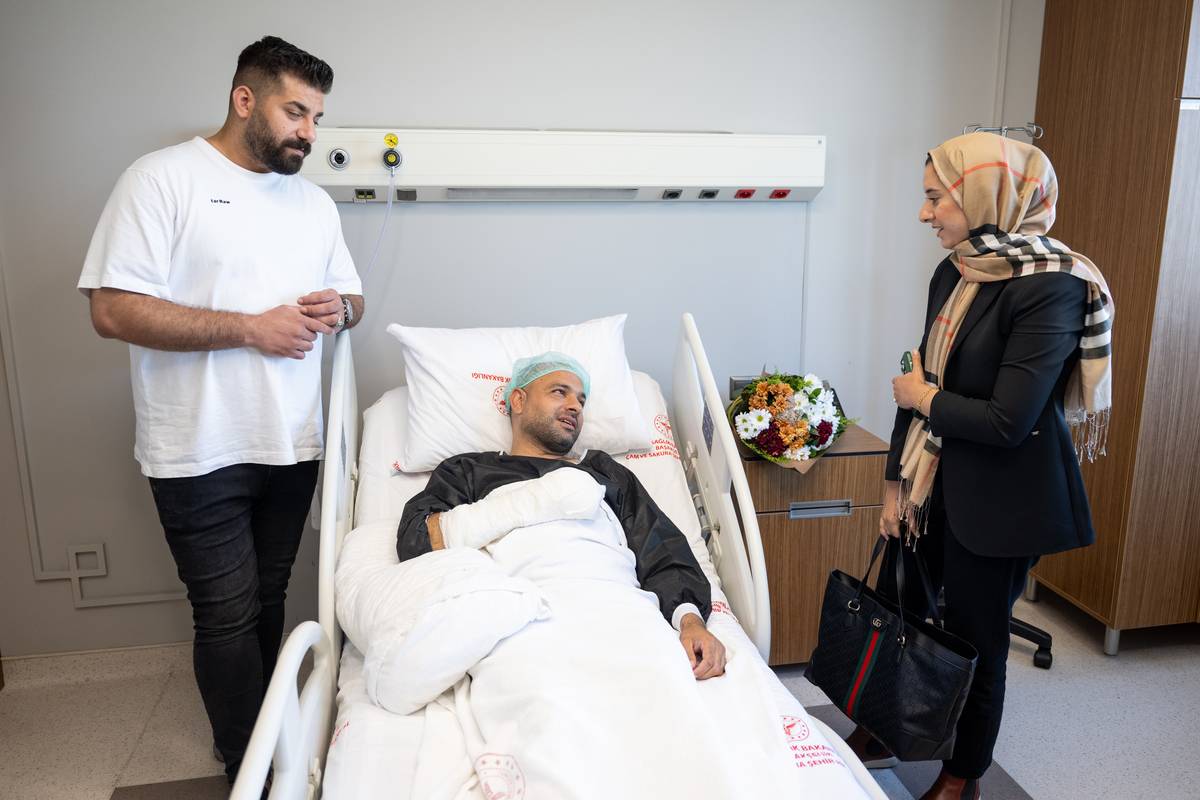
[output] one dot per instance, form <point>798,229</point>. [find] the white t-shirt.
<point>187,225</point>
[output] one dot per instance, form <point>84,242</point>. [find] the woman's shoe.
<point>948,787</point>
<point>870,750</point>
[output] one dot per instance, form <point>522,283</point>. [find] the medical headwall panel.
<point>370,164</point>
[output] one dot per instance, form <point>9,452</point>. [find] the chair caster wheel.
<point>1043,659</point>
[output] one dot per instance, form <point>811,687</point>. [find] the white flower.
<point>753,422</point>
<point>813,381</point>
<point>799,453</point>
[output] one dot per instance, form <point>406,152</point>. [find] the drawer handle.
<point>816,509</point>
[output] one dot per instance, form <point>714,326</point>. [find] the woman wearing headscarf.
<point>1010,389</point>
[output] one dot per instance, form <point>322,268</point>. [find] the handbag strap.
<point>862,585</point>
<point>898,561</point>
<point>927,585</point>
<point>856,604</point>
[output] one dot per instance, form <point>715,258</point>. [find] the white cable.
<point>391,196</point>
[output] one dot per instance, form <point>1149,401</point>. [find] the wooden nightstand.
<point>811,525</point>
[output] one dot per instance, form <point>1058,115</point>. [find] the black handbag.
<point>901,678</point>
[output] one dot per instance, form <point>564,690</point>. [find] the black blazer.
<point>1010,480</point>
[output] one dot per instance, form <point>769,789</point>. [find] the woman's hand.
<point>889,519</point>
<point>909,389</point>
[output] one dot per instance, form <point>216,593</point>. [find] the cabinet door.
<point>800,554</point>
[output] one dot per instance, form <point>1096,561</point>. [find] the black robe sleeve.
<point>665,563</point>
<point>449,486</point>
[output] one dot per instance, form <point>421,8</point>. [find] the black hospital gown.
<point>665,564</point>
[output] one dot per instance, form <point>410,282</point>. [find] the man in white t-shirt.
<point>223,269</point>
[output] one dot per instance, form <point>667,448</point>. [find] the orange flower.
<point>781,397</point>
<point>776,397</point>
<point>795,434</point>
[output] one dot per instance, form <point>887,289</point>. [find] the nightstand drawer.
<point>851,470</point>
<point>800,554</point>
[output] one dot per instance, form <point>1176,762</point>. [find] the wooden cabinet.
<point>1125,141</point>
<point>811,525</point>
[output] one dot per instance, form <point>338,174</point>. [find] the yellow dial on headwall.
<point>391,140</point>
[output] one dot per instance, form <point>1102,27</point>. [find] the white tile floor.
<point>75,727</point>
<point>1094,727</point>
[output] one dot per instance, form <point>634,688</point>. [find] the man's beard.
<point>272,154</point>
<point>546,432</point>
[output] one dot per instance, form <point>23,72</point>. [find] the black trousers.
<point>234,534</point>
<point>979,596</point>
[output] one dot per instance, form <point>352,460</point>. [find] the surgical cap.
<point>528,370</point>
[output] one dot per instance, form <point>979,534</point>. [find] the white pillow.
<point>456,382</point>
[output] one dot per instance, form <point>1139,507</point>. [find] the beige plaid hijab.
<point>1007,190</point>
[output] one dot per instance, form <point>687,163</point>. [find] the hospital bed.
<point>701,485</point>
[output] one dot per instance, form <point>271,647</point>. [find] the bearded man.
<point>221,268</point>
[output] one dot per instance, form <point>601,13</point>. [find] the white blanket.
<point>597,699</point>
<point>422,624</point>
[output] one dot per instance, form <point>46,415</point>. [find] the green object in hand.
<point>906,364</point>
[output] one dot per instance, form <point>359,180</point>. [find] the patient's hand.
<point>704,650</point>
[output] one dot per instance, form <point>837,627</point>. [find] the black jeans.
<point>234,534</point>
<point>979,593</point>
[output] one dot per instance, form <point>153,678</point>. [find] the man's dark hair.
<point>261,64</point>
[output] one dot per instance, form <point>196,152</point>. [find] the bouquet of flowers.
<point>788,419</point>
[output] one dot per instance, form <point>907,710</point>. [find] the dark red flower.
<point>824,431</point>
<point>770,442</point>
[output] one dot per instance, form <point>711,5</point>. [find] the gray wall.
<point>88,87</point>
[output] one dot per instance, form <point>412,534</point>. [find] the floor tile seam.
<point>162,693</point>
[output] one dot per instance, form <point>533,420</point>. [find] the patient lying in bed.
<point>546,399</point>
<point>563,573</point>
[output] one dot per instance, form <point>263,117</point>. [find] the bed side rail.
<point>714,469</point>
<point>338,482</point>
<point>292,729</point>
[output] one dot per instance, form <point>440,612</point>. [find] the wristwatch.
<point>347,314</point>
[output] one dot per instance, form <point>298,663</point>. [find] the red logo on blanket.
<point>795,729</point>
<point>500,777</point>
<point>338,732</point>
<point>720,608</point>
<point>662,424</point>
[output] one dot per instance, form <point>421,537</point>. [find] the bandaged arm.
<point>450,486</point>
<point>565,493</point>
